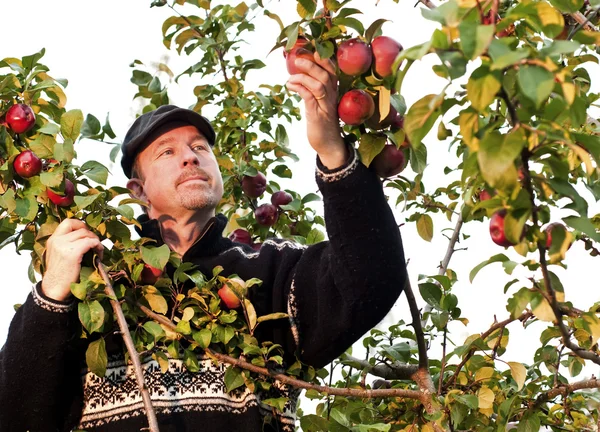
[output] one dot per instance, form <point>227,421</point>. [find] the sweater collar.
<point>207,244</point>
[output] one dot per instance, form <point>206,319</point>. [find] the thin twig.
<point>408,394</point>
<point>133,354</point>
<point>416,323</point>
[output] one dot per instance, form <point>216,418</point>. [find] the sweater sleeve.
<point>37,371</point>
<point>343,287</point>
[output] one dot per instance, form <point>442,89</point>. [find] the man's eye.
<point>166,152</point>
<point>199,147</point>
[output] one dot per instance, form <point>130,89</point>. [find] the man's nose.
<point>190,158</point>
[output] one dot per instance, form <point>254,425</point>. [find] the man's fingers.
<point>68,225</point>
<point>326,64</point>
<point>315,71</point>
<point>304,93</point>
<point>316,87</point>
<point>76,235</point>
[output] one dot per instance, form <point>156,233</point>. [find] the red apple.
<point>228,295</point>
<point>552,227</point>
<point>63,200</point>
<point>375,123</point>
<point>266,214</point>
<point>354,57</point>
<point>27,164</point>
<point>254,186</point>
<point>497,229</point>
<point>280,198</point>
<point>484,195</point>
<point>150,274</point>
<point>397,122</point>
<point>256,246</point>
<point>241,236</point>
<point>385,51</point>
<point>294,54</point>
<point>20,118</point>
<point>389,162</point>
<point>355,107</point>
<point>300,43</point>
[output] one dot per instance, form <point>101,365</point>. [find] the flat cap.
<point>143,127</point>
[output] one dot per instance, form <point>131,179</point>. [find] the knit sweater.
<point>333,292</point>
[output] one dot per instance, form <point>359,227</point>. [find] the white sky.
<point>92,44</point>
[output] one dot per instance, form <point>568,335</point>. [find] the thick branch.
<point>137,365</point>
<point>565,389</point>
<point>409,394</point>
<point>450,250</point>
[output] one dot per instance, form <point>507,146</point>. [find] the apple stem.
<point>133,354</point>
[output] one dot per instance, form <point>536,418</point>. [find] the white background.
<point>92,44</point>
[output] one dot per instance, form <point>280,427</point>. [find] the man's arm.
<point>39,373</point>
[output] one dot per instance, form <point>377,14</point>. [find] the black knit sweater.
<point>333,292</point>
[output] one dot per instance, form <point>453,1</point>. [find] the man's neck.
<point>182,232</point>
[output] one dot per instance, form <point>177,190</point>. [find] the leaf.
<point>156,257</point>
<point>475,38</point>
<point>156,301</point>
<point>542,309</point>
<point>91,315</point>
<point>567,6</point>
<point>418,158</point>
<point>96,358</point>
<point>251,313</point>
<point>496,158</point>
<point>584,225</point>
<point>272,316</point>
<point>154,329</point>
<point>43,146</point>
<point>518,302</point>
<point>310,197</point>
<point>233,378</point>
<point>70,124</point>
<point>203,337</point>
<point>314,423</point>
<point>425,227</point>
<point>420,118</point>
<point>431,293</point>
<point>50,129</point>
<point>314,236</point>
<point>482,88</point>
<point>519,373</point>
<point>84,201</point>
<point>370,146</point>
<point>536,83</point>
<point>478,267</point>
<point>485,397</point>
<point>95,171</point>
<point>306,8</point>
<point>373,28</point>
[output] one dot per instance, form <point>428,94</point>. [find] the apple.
<point>296,53</point>
<point>266,214</point>
<point>280,198</point>
<point>552,227</point>
<point>63,200</point>
<point>375,123</point>
<point>150,274</point>
<point>27,164</point>
<point>397,122</point>
<point>254,186</point>
<point>389,162</point>
<point>355,107</point>
<point>241,236</point>
<point>385,51</point>
<point>485,195</point>
<point>228,295</point>
<point>256,246</point>
<point>497,229</point>
<point>300,43</point>
<point>20,118</point>
<point>354,57</point>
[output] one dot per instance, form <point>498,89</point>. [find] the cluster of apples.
<point>498,233</point>
<point>20,118</point>
<point>357,106</point>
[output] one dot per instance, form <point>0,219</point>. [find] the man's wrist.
<point>335,159</point>
<point>55,294</point>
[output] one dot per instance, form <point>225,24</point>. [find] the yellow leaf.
<point>155,299</point>
<point>544,312</point>
<point>584,156</point>
<point>486,398</point>
<point>484,374</point>
<point>569,92</point>
<point>428,428</point>
<point>594,324</point>
<point>384,102</point>
<point>188,314</point>
<point>519,373</point>
<point>468,121</point>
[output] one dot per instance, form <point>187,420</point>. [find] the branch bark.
<point>394,371</point>
<point>133,354</point>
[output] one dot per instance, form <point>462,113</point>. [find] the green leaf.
<point>96,358</point>
<point>314,236</point>
<point>503,56</point>
<point>418,158</point>
<point>70,124</point>
<point>309,197</point>
<point>91,315</point>
<point>52,179</point>
<point>325,49</point>
<point>536,83</point>
<point>156,301</point>
<point>431,293</point>
<point>282,171</point>
<point>233,378</point>
<point>478,267</point>
<point>154,329</point>
<point>584,225</point>
<point>306,8</point>
<point>250,313</point>
<point>43,146</point>
<point>84,201</point>
<point>518,302</point>
<point>80,290</point>
<point>350,22</point>
<point>273,316</point>
<point>156,257</point>
<point>314,423</point>
<point>183,327</point>
<point>373,29</point>
<point>203,337</point>
<point>567,6</point>
<point>50,129</point>
<point>91,126</point>
<point>370,146</point>
<point>425,227</point>
<point>475,38</point>
<point>482,88</point>
<point>496,158</point>
<point>95,171</point>
<point>64,151</point>
<point>420,118</point>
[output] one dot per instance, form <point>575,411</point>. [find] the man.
<point>333,291</point>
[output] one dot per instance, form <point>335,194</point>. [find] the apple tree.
<point>517,111</point>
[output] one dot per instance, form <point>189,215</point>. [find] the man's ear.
<point>137,189</point>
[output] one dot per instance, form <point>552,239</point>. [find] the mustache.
<point>190,174</point>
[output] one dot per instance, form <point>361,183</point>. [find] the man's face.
<point>180,172</point>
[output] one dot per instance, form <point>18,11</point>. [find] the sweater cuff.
<point>51,305</point>
<point>331,175</point>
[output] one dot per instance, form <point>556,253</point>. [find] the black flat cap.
<point>144,126</point>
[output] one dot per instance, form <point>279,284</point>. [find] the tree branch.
<point>416,323</point>
<point>565,389</point>
<point>408,394</point>
<point>394,371</point>
<point>133,354</point>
